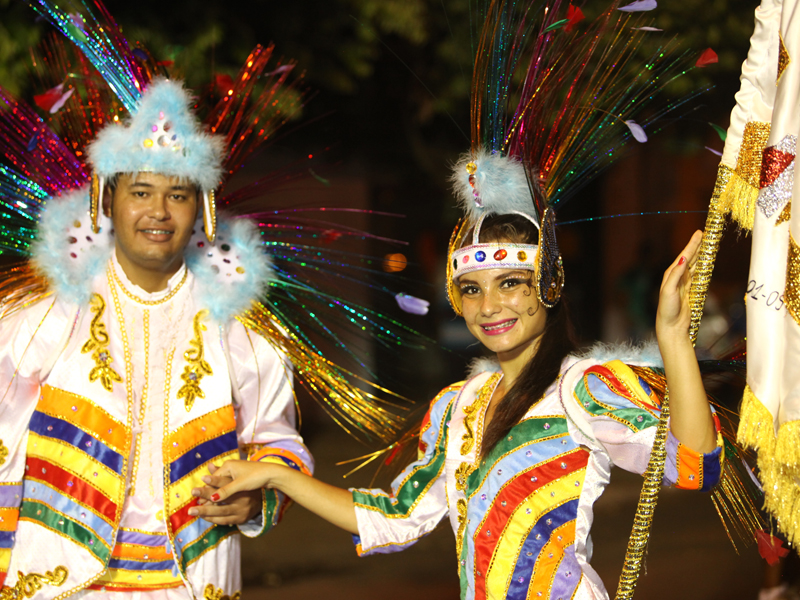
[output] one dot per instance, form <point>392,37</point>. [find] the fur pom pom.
<point>66,251</point>
<point>500,183</point>
<point>225,294</point>
<point>482,364</point>
<point>163,137</point>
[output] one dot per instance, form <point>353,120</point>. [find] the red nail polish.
<point>682,260</point>
<point>214,497</point>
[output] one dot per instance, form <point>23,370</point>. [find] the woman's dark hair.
<point>556,343</point>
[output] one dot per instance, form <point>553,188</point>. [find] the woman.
<point>516,457</point>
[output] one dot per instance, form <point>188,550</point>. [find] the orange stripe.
<point>545,568</point>
<point>8,519</point>
<point>138,552</point>
<point>200,430</point>
<point>83,413</point>
<point>689,463</point>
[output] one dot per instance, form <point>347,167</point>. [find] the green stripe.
<point>205,542</point>
<point>271,506</point>
<point>530,430</point>
<point>41,513</point>
<point>408,493</point>
<point>627,415</point>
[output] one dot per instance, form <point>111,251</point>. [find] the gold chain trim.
<point>28,585</point>
<point>213,593</point>
<point>196,367</point>
<point>143,407</point>
<point>461,506</point>
<point>98,345</point>
<point>166,298</point>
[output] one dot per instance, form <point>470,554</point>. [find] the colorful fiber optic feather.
<point>560,95</point>
<point>98,77</point>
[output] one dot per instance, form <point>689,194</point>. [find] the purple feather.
<point>639,6</point>
<point>410,304</point>
<point>638,133</point>
<point>646,29</point>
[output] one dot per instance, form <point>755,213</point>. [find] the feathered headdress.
<point>553,102</point>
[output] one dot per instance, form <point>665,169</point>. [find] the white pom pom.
<point>500,185</point>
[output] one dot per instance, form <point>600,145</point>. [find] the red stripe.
<point>80,490</point>
<point>182,517</point>
<point>515,493</point>
<point>616,386</point>
<point>128,588</point>
<point>2,579</point>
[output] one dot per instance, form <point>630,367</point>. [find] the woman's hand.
<point>242,499</point>
<point>674,313</point>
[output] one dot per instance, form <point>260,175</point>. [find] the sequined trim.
<point>3,453</point>
<point>786,214</point>
<point>212,593</point>
<point>461,506</point>
<point>777,176</point>
<point>28,585</point>
<point>196,367</point>
<point>791,296</point>
<point>97,344</point>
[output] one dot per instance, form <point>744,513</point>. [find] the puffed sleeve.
<point>418,502</point>
<point>623,411</point>
<point>29,339</point>
<point>266,416</point>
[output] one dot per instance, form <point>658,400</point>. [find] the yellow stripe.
<point>132,578</point>
<point>520,525</point>
<point>8,519</point>
<point>193,433</point>
<point>64,455</point>
<point>180,492</point>
<point>87,416</point>
<point>5,559</point>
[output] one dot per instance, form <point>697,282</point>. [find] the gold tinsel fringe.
<point>756,426</point>
<point>738,198</point>
<point>787,447</point>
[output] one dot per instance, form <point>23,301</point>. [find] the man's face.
<point>153,216</point>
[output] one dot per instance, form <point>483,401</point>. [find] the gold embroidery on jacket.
<point>97,344</point>
<point>461,506</point>
<point>474,409</point>
<point>212,593</point>
<point>3,453</point>
<point>28,585</point>
<point>197,367</point>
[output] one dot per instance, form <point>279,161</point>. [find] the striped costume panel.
<point>274,502</point>
<point>190,449</point>
<point>10,498</point>
<point>74,472</point>
<point>140,561</point>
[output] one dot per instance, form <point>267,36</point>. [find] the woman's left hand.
<point>674,314</point>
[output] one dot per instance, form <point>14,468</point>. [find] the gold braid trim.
<point>354,409</point>
<point>653,476</point>
<point>28,585</point>
<point>712,235</point>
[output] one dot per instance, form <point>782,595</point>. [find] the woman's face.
<point>501,309</point>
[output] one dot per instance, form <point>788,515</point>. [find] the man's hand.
<point>235,510</point>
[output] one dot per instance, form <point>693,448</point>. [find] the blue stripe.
<point>533,546</point>
<point>36,490</point>
<point>193,531</point>
<point>6,539</point>
<point>135,565</point>
<point>66,432</point>
<point>711,469</point>
<point>199,455</point>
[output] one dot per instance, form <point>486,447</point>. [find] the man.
<point>125,381</point>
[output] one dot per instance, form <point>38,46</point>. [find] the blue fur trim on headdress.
<point>179,147</point>
<point>62,220</point>
<point>226,299</point>
<point>501,184</point>
<point>229,275</point>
